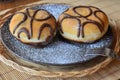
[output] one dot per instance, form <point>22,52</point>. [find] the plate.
<point>60,51</point>
<point>64,70</point>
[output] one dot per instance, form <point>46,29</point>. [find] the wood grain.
<point>15,3</point>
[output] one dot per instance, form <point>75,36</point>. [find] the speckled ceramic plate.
<point>59,52</point>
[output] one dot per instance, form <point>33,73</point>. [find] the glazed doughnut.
<point>35,27</point>
<point>83,24</point>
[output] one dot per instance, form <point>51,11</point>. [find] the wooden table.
<point>15,3</point>
<point>111,72</point>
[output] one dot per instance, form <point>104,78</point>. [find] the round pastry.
<point>83,24</point>
<point>36,27</point>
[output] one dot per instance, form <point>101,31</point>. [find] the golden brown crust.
<point>83,24</point>
<point>33,26</point>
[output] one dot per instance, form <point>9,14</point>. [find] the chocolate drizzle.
<point>82,25</point>
<point>93,22</point>
<point>74,9</point>
<point>71,17</point>
<point>33,17</point>
<point>98,17</point>
<point>23,20</point>
<point>41,29</point>
<point>25,31</point>
<point>28,33</point>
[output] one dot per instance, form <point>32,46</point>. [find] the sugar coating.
<point>57,52</point>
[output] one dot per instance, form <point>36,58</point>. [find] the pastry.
<point>83,24</point>
<point>35,27</point>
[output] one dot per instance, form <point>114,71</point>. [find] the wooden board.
<point>112,10</point>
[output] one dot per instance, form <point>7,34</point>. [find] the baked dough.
<point>36,27</point>
<point>83,24</point>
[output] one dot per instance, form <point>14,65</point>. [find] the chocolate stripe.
<point>81,26</point>
<point>74,9</point>
<point>23,20</point>
<point>93,22</point>
<point>68,15</point>
<point>94,7</point>
<point>98,17</point>
<point>25,31</point>
<point>33,17</point>
<point>71,17</point>
<point>44,26</point>
<point>29,31</point>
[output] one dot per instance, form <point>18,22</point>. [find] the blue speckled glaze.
<point>58,52</point>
